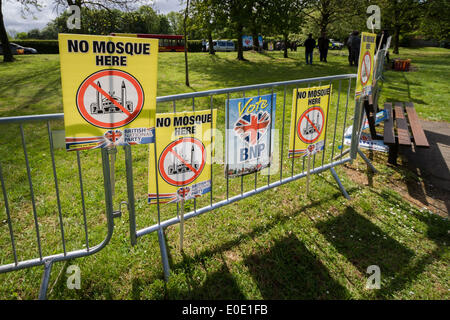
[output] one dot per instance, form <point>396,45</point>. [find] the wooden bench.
<point>401,122</point>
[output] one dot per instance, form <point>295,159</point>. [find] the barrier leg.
<point>164,256</point>
<point>341,155</point>
<point>45,279</point>
<point>335,176</point>
<point>367,161</point>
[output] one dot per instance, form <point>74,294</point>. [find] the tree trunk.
<point>186,44</point>
<point>210,40</point>
<point>7,55</point>
<point>285,38</point>
<point>396,39</point>
<point>240,55</point>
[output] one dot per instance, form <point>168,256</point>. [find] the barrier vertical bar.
<point>212,134</point>
<point>50,139</point>
<point>80,178</point>
<point>195,200</point>
<point>242,176</point>
<point>31,191</point>
<point>335,121</point>
<point>8,216</point>
<point>130,193</point>
<point>270,136</point>
<point>282,135</point>
<point>326,128</point>
<point>294,124</point>
<point>227,142</point>
<point>345,116</point>
<point>175,111</point>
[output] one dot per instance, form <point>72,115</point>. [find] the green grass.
<point>275,245</point>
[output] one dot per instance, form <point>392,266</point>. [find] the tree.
<point>7,54</point>
<point>238,12</point>
<point>176,22</point>
<point>326,12</point>
<point>435,20</point>
<point>286,17</point>
<point>400,16</point>
<point>207,17</point>
<point>26,5</point>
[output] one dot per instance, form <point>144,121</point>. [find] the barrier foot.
<point>367,161</point>
<point>45,279</point>
<point>335,176</point>
<point>164,256</point>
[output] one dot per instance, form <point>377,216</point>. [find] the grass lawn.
<point>275,245</point>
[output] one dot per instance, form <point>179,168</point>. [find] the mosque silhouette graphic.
<point>104,105</point>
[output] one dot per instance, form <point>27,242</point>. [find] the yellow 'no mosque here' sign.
<point>109,90</point>
<point>309,120</point>
<point>184,151</point>
<point>366,64</point>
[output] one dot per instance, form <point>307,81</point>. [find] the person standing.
<point>356,45</point>
<point>323,43</point>
<point>310,43</point>
<point>349,47</point>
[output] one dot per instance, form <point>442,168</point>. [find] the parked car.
<point>335,45</point>
<point>17,49</point>
<point>221,45</point>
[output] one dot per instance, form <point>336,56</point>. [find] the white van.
<point>221,45</point>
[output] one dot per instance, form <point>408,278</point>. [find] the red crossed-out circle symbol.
<point>182,161</point>
<point>311,124</point>
<point>110,98</point>
<point>366,67</point>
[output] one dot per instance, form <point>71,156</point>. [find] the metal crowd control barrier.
<point>338,114</point>
<point>17,208</point>
<point>376,91</point>
<point>27,202</point>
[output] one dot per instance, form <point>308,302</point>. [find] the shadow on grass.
<point>218,285</point>
<point>288,270</point>
<point>187,262</point>
<point>374,248</point>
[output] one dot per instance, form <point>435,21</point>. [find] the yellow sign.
<point>309,120</point>
<point>109,90</point>
<point>184,149</point>
<point>366,64</point>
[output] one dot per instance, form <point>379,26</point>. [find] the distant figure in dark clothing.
<point>323,43</point>
<point>348,42</point>
<point>310,43</point>
<point>356,45</point>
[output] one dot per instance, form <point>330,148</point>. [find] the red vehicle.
<point>167,42</point>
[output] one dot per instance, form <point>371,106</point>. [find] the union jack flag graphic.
<point>251,127</point>
<point>113,135</point>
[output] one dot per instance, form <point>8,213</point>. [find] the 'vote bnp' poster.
<point>249,138</point>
